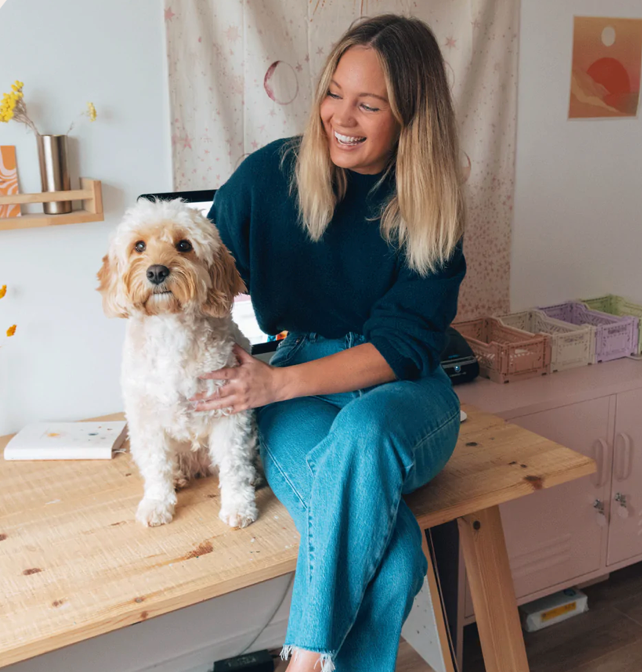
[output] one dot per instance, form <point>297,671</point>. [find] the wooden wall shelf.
<point>92,211</point>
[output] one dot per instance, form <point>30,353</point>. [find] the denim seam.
<point>425,438</point>
<point>373,566</point>
<point>310,546</point>
<point>434,431</point>
<point>283,474</point>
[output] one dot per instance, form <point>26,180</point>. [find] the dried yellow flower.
<point>91,112</point>
<point>3,291</point>
<point>11,330</point>
<point>12,106</point>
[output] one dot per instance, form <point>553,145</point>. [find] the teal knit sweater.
<point>349,281</point>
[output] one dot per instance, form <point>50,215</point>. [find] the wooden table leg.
<point>491,587</point>
<point>440,620</point>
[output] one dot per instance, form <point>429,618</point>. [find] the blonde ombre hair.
<point>425,215</point>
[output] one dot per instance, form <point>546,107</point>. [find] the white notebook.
<point>66,441</point>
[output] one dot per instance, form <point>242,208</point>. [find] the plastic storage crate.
<point>505,353</point>
<point>571,345</point>
<point>618,305</point>
<point>615,337</point>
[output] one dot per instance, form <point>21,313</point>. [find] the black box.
<point>259,661</point>
<point>458,359</point>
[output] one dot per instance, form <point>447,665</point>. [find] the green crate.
<point>618,305</point>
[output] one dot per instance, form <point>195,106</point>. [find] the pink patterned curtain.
<point>241,74</point>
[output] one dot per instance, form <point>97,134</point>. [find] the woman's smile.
<point>348,142</point>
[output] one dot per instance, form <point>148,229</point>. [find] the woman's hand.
<point>249,385</point>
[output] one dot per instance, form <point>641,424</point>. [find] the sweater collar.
<point>361,182</point>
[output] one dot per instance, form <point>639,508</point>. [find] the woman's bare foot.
<point>304,661</point>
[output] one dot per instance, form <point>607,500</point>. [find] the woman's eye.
<point>333,95</point>
<point>367,108</point>
<point>184,246</point>
<point>140,246</point>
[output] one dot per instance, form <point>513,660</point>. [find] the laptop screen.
<point>242,311</point>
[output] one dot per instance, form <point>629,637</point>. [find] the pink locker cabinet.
<point>567,526</point>
<point>625,528</point>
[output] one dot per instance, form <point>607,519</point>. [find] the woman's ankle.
<point>308,661</point>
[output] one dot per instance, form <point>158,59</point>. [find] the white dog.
<point>169,273</point>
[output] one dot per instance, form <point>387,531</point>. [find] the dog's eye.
<point>140,246</point>
<point>184,246</point>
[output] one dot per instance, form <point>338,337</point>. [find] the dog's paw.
<point>180,481</point>
<point>153,512</point>
<point>239,516</point>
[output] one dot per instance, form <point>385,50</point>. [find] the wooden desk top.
<point>74,563</point>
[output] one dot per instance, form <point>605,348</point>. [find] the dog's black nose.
<point>157,273</point>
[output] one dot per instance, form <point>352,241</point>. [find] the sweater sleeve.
<point>231,214</point>
<point>408,324</point>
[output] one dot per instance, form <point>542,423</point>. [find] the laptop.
<point>263,344</point>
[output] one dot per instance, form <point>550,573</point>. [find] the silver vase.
<point>54,170</point>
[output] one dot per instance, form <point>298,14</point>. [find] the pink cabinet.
<point>582,530</point>
<point>625,528</point>
<point>558,534</point>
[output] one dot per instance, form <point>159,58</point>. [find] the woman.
<point>349,238</point>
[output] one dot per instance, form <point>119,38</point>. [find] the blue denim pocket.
<point>287,349</point>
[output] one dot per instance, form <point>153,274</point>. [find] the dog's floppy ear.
<point>109,287</point>
<point>225,284</point>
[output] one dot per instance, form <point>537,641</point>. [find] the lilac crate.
<point>618,305</point>
<point>615,336</point>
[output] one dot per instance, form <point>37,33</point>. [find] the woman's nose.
<point>344,114</point>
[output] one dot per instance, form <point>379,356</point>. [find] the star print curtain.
<point>241,74</point>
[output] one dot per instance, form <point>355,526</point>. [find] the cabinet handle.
<point>623,461</point>
<point>623,510</point>
<point>598,505</point>
<point>599,450</point>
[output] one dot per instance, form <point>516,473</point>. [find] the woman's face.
<point>356,114</point>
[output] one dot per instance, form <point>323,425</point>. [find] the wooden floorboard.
<point>626,659</point>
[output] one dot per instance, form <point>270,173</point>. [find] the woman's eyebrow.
<point>372,95</point>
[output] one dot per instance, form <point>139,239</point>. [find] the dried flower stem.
<point>20,115</point>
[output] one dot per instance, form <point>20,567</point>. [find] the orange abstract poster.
<point>8,179</point>
<point>607,57</point>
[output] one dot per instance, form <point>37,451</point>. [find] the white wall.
<point>577,230</point>
<point>63,361</point>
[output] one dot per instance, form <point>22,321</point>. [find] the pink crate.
<point>506,353</point>
<point>615,337</point>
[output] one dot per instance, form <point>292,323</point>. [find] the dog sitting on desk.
<point>168,272</point>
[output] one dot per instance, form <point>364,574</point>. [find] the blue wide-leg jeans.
<point>340,464</point>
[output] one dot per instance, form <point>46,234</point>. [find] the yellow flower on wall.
<point>91,112</point>
<point>12,329</point>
